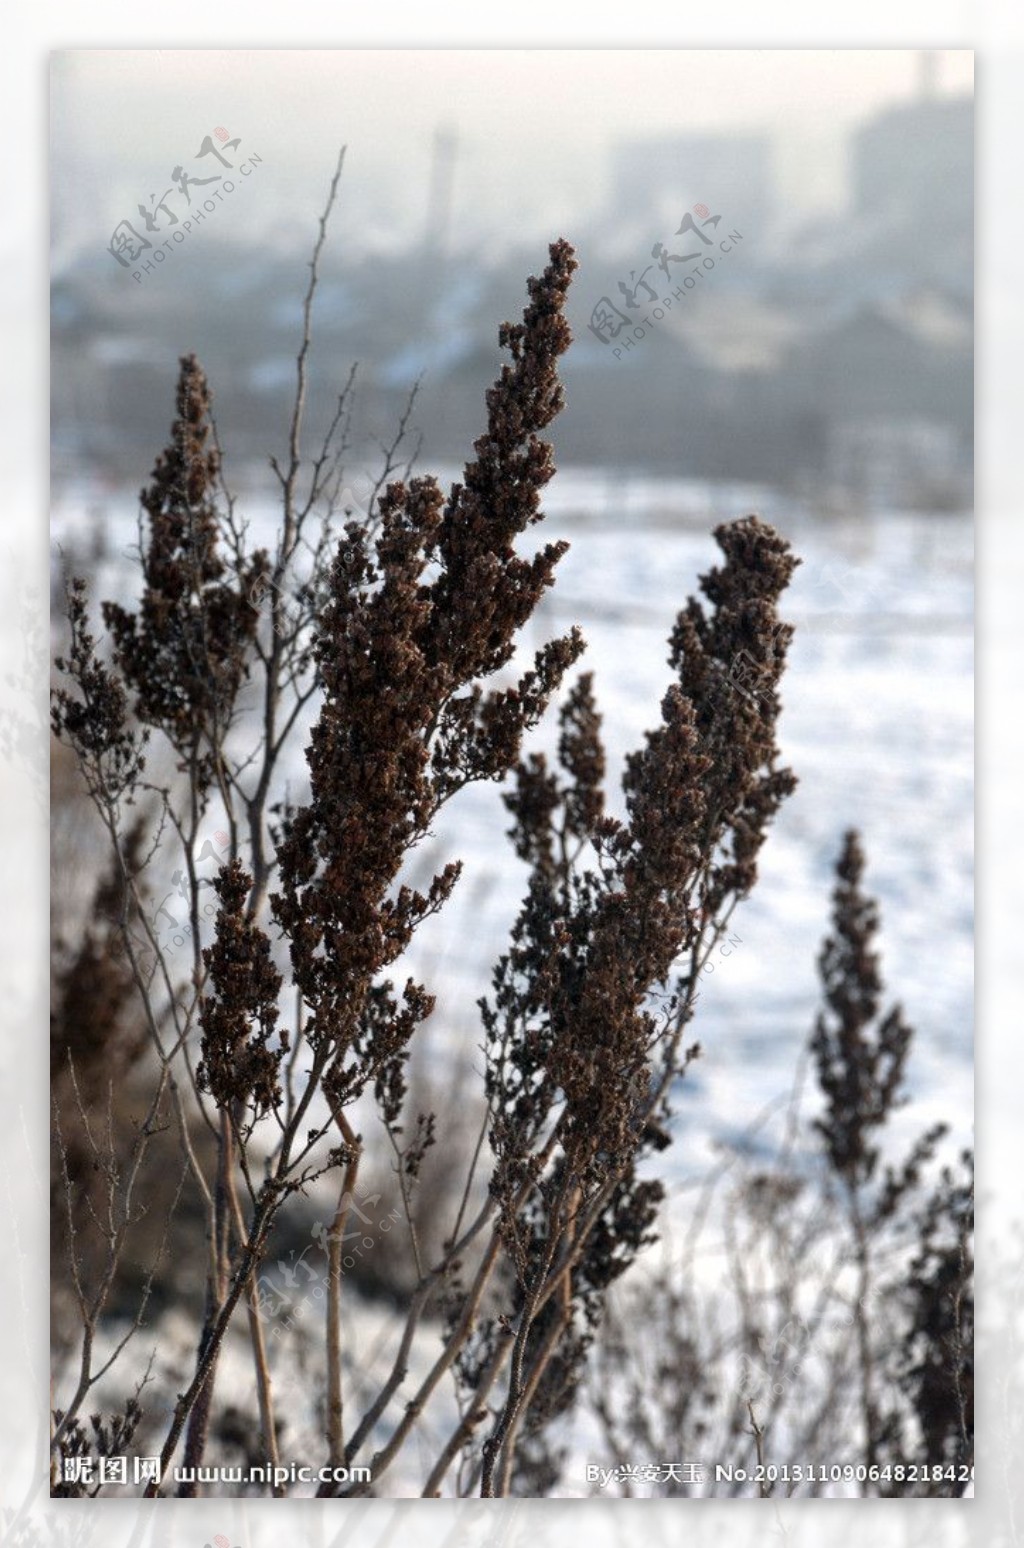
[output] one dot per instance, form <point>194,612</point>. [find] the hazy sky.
<point>534,127</point>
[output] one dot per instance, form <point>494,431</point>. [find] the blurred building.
<point>912,173</point>
<point>916,162</point>
<point>654,182</point>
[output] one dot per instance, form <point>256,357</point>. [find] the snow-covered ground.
<point>877,725</point>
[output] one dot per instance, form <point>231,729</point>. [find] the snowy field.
<point>877,724</point>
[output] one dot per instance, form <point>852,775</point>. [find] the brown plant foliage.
<point>859,1071</point>
<point>185,652</point>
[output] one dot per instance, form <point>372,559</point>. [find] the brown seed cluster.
<point>185,651</point>
<point>730,662</point>
<point>419,615</point>
<point>590,1002</point>
<point>860,1065</point>
<point>95,721</point>
<point>242,1045</point>
<point>573,1022</point>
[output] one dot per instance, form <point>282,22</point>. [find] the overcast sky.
<point>534,128</point>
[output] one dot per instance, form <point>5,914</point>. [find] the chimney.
<point>927,74</point>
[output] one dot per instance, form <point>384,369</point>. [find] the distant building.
<point>886,400</point>
<point>913,193</point>
<point>909,222</point>
<point>911,356</point>
<point>917,161</point>
<point>658,180</point>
